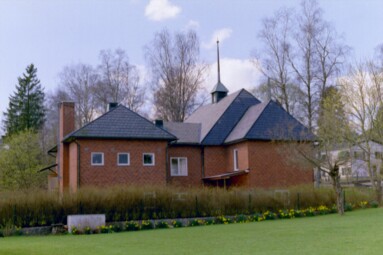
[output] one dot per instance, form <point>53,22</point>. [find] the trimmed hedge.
<point>40,208</point>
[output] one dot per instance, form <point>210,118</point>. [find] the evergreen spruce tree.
<point>26,107</point>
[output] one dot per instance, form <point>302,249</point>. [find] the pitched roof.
<point>219,87</point>
<point>246,122</point>
<point>219,119</point>
<point>208,115</point>
<point>121,123</point>
<point>185,132</point>
<point>274,123</point>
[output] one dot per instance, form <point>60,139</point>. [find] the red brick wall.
<point>243,156</point>
<point>111,173</point>
<point>73,167</point>
<point>64,166</point>
<point>216,160</point>
<point>270,168</point>
<point>193,155</point>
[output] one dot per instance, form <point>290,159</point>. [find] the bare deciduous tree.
<point>79,81</point>
<point>119,81</point>
<point>274,64</point>
<point>177,73</point>
<point>362,92</point>
<point>303,49</point>
<point>50,130</point>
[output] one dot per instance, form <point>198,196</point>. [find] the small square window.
<point>148,159</point>
<point>178,166</point>
<point>123,159</point>
<point>97,159</point>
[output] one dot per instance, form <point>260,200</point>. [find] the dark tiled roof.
<point>121,123</point>
<point>274,123</point>
<point>185,132</point>
<point>247,121</point>
<point>230,118</point>
<point>209,114</point>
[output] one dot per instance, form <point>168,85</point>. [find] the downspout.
<point>202,164</point>
<point>58,151</point>
<point>167,163</point>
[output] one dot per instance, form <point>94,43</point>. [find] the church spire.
<point>218,66</point>
<point>219,91</point>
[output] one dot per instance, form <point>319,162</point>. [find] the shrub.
<point>132,226</point>
<point>75,231</point>
<point>146,224</point>
<point>269,215</point>
<point>223,220</point>
<point>196,222</point>
<point>162,224</point>
<point>374,204</point>
<point>286,214</point>
<point>116,228</point>
<point>105,229</point>
<point>88,231</point>
<point>36,208</point>
<point>177,224</point>
<point>241,218</point>
<point>348,207</point>
<point>323,210</point>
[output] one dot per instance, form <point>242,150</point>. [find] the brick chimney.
<point>66,121</point>
<point>66,126</point>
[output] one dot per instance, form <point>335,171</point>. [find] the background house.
<point>359,157</point>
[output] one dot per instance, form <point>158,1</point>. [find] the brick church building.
<point>236,140</point>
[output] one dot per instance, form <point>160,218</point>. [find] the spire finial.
<point>219,71</point>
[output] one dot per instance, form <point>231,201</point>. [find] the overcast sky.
<point>52,34</point>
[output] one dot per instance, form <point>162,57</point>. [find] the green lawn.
<point>359,232</point>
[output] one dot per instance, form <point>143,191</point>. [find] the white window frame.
<point>102,159</point>
<point>143,159</point>
<point>178,164</point>
<point>118,159</point>
<point>235,157</point>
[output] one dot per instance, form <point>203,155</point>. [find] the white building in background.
<point>357,164</point>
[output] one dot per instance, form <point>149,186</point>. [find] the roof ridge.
<point>90,122</point>
<point>263,111</point>
<point>223,113</point>
<point>108,113</point>
<point>142,117</point>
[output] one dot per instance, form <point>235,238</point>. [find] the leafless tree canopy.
<point>177,74</point>
<point>275,35</point>
<point>79,81</point>
<point>362,92</point>
<point>50,131</point>
<point>119,81</point>
<point>302,54</point>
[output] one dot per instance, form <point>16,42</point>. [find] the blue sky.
<point>52,34</point>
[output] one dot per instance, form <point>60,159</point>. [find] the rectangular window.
<point>97,159</point>
<point>179,166</point>
<point>378,155</point>
<point>236,165</point>
<point>123,159</point>
<point>148,159</point>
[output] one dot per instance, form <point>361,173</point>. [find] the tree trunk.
<point>338,190</point>
<point>378,191</point>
